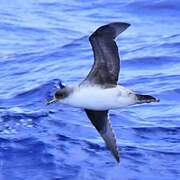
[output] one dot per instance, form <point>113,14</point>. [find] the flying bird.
<point>99,91</point>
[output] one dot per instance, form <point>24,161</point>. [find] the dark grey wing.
<point>101,122</point>
<point>106,65</point>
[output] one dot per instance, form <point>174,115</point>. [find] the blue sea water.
<point>45,41</point>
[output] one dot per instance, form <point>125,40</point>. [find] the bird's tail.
<point>146,98</point>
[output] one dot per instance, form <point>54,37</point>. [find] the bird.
<point>100,92</point>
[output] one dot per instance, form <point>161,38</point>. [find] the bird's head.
<point>60,94</point>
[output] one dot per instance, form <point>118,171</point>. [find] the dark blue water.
<point>44,41</point>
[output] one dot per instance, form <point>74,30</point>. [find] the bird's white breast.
<point>97,98</point>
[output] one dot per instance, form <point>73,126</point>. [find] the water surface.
<point>43,42</point>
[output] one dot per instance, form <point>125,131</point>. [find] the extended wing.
<point>105,70</point>
<point>101,122</point>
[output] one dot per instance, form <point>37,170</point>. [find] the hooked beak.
<point>51,101</point>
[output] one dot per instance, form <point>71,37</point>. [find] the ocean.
<point>44,42</point>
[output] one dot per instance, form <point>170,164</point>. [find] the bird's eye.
<point>59,95</point>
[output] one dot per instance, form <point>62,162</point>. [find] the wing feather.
<point>101,122</point>
<point>106,65</point>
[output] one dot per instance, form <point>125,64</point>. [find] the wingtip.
<point>118,160</point>
<point>122,23</point>
<point>126,25</point>
<point>119,27</point>
<point>116,156</point>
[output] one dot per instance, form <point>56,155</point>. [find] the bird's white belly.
<point>96,98</point>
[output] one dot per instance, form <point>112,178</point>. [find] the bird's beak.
<point>51,101</point>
